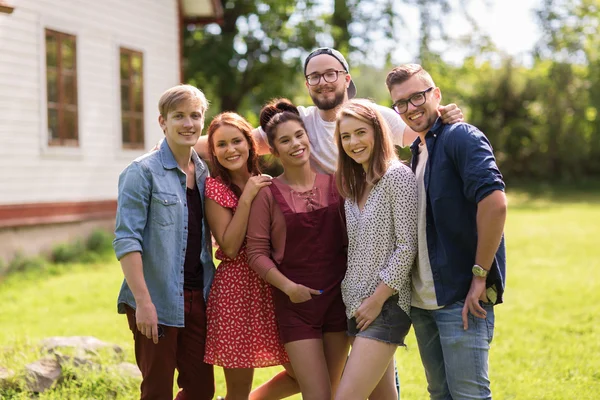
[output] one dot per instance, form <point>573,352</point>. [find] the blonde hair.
<point>351,178</point>
<point>176,95</point>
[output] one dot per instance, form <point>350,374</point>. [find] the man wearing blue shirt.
<point>461,267</point>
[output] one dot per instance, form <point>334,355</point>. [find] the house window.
<point>61,77</point>
<point>132,99</point>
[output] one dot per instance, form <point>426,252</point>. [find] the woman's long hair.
<point>351,178</point>
<point>236,121</point>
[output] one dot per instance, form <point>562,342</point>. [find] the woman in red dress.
<point>296,242</point>
<point>242,332</point>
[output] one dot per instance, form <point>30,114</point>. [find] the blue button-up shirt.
<point>152,219</point>
<point>461,171</point>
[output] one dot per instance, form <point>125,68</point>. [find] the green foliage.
<point>100,242</point>
<point>94,249</point>
<point>253,55</point>
<point>23,264</point>
<point>76,382</point>
<point>67,252</point>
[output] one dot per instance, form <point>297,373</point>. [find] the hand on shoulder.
<point>253,186</point>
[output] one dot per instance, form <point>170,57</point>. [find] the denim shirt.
<point>152,219</point>
<point>461,171</point>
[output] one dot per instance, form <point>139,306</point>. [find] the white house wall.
<point>32,172</point>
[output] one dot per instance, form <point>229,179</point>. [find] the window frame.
<point>137,140</point>
<point>62,138</point>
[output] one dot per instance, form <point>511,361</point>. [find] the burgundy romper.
<point>314,256</point>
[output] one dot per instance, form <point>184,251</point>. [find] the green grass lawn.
<point>546,343</point>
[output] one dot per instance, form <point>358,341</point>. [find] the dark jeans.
<point>181,348</point>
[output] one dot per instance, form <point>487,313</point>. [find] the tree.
<point>571,44</point>
<point>255,54</point>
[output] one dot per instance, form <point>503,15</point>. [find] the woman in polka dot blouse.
<point>381,217</point>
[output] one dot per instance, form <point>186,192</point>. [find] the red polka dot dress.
<point>241,326</point>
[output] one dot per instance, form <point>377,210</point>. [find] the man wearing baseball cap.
<point>329,85</point>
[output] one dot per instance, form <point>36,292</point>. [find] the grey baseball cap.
<point>338,56</point>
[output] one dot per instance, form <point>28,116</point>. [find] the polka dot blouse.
<point>382,239</point>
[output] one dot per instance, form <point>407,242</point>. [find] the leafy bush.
<point>21,263</point>
<point>97,248</point>
<point>67,252</point>
<point>100,242</point>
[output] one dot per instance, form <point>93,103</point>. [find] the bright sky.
<point>511,25</point>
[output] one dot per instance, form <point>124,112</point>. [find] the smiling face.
<point>357,138</point>
<point>420,119</point>
<point>183,124</point>
<point>291,144</point>
<point>231,147</point>
<point>327,96</point>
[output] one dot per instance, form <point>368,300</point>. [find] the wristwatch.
<point>479,271</point>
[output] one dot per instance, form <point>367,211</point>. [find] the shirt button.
<point>181,293</point>
<point>165,201</point>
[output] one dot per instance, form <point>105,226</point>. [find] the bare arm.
<point>263,145</point>
<point>409,136</point>
<point>491,216</point>
<point>201,147</point>
<point>229,229</point>
<point>145,312</point>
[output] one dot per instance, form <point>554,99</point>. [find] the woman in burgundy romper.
<point>296,242</point>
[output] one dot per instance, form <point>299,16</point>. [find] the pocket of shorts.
<point>164,208</point>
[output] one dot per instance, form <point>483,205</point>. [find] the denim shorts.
<point>390,326</point>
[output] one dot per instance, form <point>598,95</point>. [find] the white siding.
<point>32,172</point>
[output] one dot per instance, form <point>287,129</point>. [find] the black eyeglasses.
<point>329,77</point>
<point>417,99</point>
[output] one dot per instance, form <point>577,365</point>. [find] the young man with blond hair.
<point>163,244</point>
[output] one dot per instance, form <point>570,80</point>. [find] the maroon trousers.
<point>181,348</point>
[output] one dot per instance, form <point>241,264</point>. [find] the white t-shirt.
<point>423,288</point>
<point>324,153</point>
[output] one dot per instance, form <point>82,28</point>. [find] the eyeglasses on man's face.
<point>328,76</point>
<point>417,99</point>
